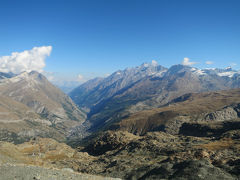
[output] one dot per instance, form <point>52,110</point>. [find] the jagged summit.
<point>149,64</point>
<point>103,88</point>
<point>32,76</point>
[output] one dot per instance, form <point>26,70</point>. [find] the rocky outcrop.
<point>227,113</point>
<point>208,129</point>
<point>109,141</point>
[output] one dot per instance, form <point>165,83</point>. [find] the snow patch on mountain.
<point>25,76</point>
<point>198,71</point>
<point>159,74</point>
<point>228,74</point>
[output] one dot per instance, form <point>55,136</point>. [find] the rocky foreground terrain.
<point>158,155</point>
<point>120,154</point>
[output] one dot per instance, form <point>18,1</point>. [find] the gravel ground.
<point>23,172</point>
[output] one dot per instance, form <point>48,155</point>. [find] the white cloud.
<point>209,62</point>
<point>106,75</point>
<point>28,60</point>
<point>154,63</point>
<point>80,78</point>
<point>186,62</point>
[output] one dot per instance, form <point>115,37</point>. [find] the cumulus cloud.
<point>28,60</point>
<point>80,78</point>
<point>186,62</point>
<point>154,63</point>
<point>209,62</point>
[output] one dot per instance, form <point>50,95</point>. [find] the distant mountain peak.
<point>153,63</point>
<point>178,68</point>
<point>32,76</point>
<point>146,86</point>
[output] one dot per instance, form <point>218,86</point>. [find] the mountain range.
<point>109,100</point>
<point>31,105</point>
<point>147,122</point>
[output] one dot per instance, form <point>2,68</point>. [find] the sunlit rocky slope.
<point>31,106</point>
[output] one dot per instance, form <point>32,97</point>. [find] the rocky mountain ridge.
<point>100,89</point>
<point>32,106</point>
<point>189,108</point>
<point>145,87</point>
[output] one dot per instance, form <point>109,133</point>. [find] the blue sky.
<point>97,37</point>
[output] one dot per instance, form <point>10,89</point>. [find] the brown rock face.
<point>31,106</point>
<point>185,110</point>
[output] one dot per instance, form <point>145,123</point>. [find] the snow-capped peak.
<point>154,63</point>
<point>27,76</point>
<point>229,68</point>
<point>227,72</point>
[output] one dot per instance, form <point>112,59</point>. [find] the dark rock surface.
<point>208,129</point>
<point>160,155</point>
<point>156,155</point>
